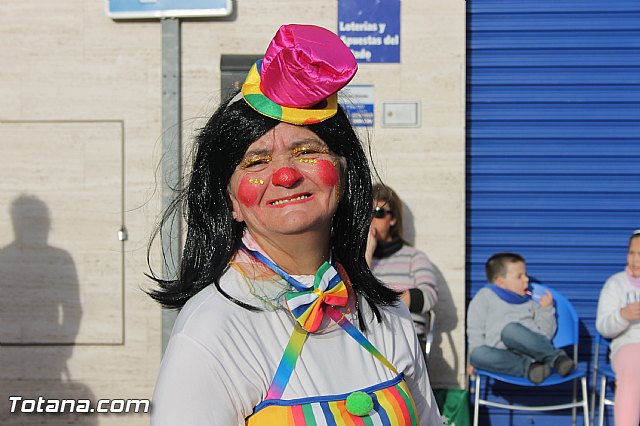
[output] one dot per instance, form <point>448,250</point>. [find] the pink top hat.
<point>303,69</point>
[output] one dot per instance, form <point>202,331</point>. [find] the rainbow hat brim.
<point>253,95</point>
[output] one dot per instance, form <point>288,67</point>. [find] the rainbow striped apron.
<point>392,401</point>
<point>387,404</point>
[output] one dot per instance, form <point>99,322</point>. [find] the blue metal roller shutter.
<point>553,149</point>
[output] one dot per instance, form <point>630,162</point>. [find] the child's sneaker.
<point>564,365</point>
<point>538,371</point>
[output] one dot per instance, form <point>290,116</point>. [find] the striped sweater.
<point>410,269</point>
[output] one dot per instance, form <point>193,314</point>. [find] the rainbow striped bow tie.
<point>307,306</point>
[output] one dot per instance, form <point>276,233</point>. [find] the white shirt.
<point>221,358</point>
<point>617,293</point>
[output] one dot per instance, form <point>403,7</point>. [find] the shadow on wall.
<point>442,372</point>
<point>40,314</point>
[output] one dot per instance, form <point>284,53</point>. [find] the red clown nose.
<point>286,176</point>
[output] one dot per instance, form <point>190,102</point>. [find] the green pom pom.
<point>359,404</point>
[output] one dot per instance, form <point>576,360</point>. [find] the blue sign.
<point>357,102</point>
<point>371,29</point>
<point>139,9</point>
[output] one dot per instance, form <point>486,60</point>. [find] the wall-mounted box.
<point>401,114</point>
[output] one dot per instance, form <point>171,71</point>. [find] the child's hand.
<point>470,370</point>
<point>546,300</point>
<point>631,312</point>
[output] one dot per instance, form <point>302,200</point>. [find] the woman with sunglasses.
<point>396,263</point>
<point>281,320</point>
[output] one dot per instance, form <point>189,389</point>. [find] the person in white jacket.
<point>619,319</point>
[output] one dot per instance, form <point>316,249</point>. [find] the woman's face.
<point>633,257</point>
<point>382,225</point>
<point>287,183</point>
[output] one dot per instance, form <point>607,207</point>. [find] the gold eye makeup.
<point>254,160</point>
<point>310,149</point>
<point>308,160</point>
<point>256,181</point>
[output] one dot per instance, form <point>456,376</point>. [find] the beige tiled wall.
<point>81,99</point>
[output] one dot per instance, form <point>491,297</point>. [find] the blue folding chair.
<point>602,372</point>
<point>566,335</point>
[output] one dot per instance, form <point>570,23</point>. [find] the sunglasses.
<point>380,212</point>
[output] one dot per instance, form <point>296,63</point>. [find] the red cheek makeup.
<point>249,192</point>
<point>328,173</point>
